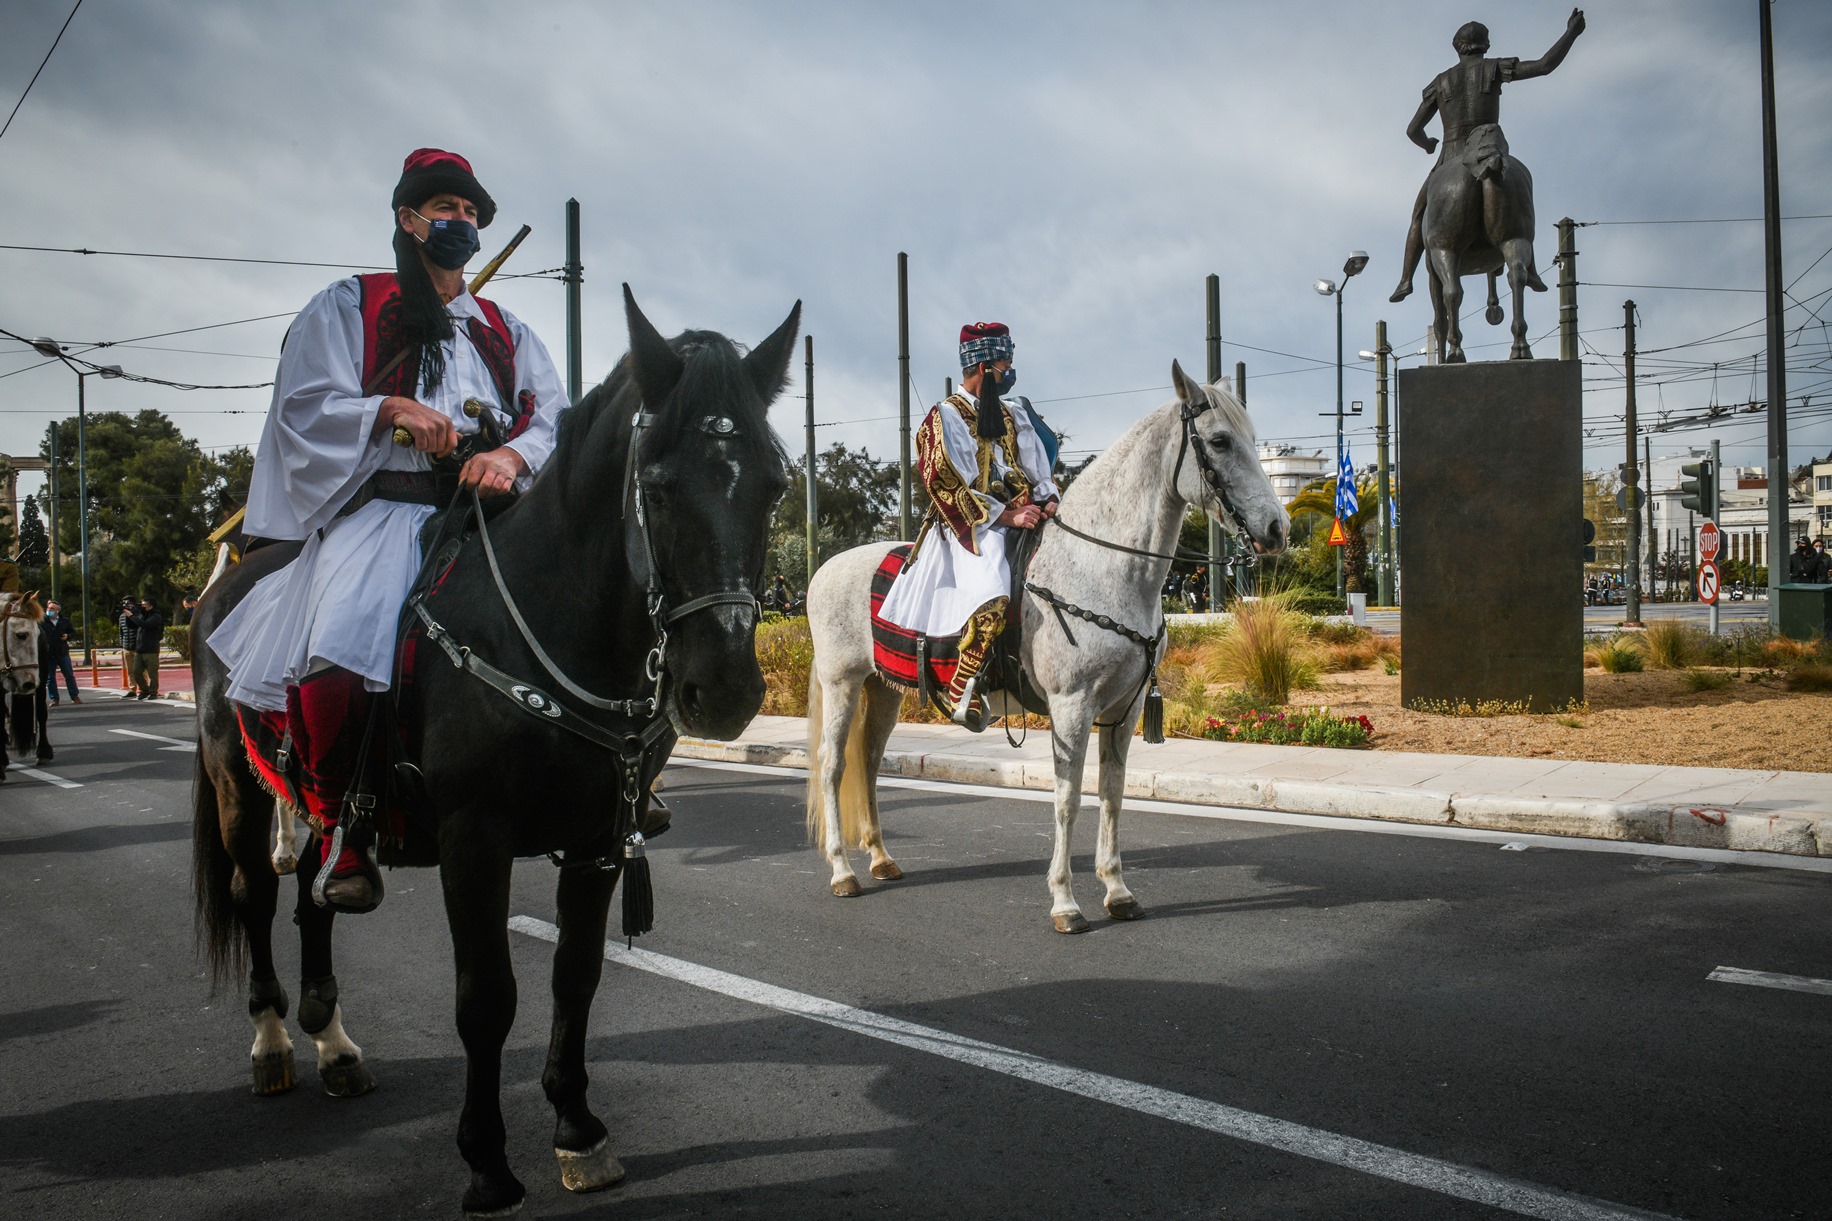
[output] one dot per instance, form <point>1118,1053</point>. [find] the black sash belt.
<point>405,487</point>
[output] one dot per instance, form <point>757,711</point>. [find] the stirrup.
<point>969,713</point>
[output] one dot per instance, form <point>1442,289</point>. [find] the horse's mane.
<point>1232,410</point>
<point>713,371</point>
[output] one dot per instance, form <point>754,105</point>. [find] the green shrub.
<point>1314,602</point>
<point>1671,644</point>
<point>1813,677</point>
<point>1306,726</point>
<point>1620,656</point>
<point>1267,651</point>
<point>1706,680</point>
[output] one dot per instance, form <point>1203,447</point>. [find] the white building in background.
<point>1822,500</point>
<point>1290,468</point>
<point>1742,514</point>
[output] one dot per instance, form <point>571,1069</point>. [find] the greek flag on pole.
<point>1346,500</point>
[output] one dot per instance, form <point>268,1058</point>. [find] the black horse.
<point>633,564</point>
<point>24,708</point>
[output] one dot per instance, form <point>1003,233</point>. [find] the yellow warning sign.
<point>1338,537</point>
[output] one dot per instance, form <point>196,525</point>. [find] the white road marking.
<point>1768,979</point>
<point>47,777</point>
<point>176,743</point>
<point>1322,822</point>
<point>1381,1161</point>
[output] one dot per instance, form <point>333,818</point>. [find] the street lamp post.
<point>1383,435</point>
<point>1357,260</point>
<point>50,347</point>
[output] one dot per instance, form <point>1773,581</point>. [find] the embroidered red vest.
<point>380,302</point>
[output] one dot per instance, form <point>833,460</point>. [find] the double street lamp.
<point>55,350</point>
<point>1357,260</point>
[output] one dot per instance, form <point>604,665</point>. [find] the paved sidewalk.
<point>1701,807</point>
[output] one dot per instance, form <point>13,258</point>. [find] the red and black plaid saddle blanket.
<point>894,648</point>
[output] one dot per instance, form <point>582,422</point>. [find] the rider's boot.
<point>983,627</point>
<point>327,714</point>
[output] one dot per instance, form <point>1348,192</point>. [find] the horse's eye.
<point>1224,441</point>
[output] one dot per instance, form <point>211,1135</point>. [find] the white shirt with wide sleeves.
<point>337,604</point>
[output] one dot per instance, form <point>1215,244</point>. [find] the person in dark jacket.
<point>148,628</point>
<point>1802,566</point>
<point>58,626</point>
<point>124,624</point>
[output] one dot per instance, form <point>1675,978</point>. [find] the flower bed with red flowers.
<point>1292,727</point>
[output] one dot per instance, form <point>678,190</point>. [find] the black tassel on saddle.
<point>1154,712</point>
<point>638,894</point>
<point>991,422</point>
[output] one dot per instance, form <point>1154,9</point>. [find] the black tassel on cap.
<point>638,894</point>
<point>991,422</point>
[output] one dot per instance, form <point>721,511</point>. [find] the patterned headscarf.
<point>985,342</point>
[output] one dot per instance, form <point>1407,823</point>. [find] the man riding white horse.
<point>987,473</point>
<point>369,362</point>
<point>1466,98</point>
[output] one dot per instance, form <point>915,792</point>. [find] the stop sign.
<point>1708,540</point>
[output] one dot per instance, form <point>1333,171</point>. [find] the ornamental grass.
<point>1268,651</point>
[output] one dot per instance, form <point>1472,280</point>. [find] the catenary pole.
<point>1777,360</point>
<point>1647,453</point>
<point>1567,289</point>
<point>1631,476</point>
<point>814,506</point>
<point>1241,587</point>
<point>1384,485</point>
<point>1219,544</point>
<point>903,397</point>
<point>1717,484</point>
<point>51,511</point>
<point>574,275</point>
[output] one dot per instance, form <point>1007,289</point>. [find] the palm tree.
<point>1319,497</point>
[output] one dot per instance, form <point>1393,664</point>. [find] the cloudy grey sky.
<point>1074,169</point>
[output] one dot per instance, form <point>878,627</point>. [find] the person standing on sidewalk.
<point>58,626</point>
<point>148,633</point>
<point>125,628</point>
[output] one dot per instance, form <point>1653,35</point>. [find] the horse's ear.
<point>767,364</point>
<point>1189,390</point>
<point>654,363</point>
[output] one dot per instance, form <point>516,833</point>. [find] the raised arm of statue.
<point>1556,56</point>
<point>1415,130</point>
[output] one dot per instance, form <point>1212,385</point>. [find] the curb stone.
<point>1723,827</point>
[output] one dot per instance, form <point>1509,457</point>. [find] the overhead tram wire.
<point>41,67</point>
<point>141,377</point>
<point>1713,220</point>
<point>550,273</point>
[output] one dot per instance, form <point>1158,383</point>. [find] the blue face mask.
<point>449,243</point>
<point>1007,380</point>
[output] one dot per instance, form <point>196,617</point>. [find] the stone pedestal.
<point>1491,545</point>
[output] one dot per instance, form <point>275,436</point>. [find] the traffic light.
<point>1700,492</point>
<point>1590,536</point>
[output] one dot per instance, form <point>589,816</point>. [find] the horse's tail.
<point>855,776</point>
<point>219,923</point>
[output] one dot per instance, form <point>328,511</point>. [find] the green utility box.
<point>1806,611</point>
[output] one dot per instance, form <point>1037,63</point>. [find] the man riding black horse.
<point>373,364</point>
<point>1464,98</point>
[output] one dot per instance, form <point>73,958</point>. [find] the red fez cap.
<point>433,171</point>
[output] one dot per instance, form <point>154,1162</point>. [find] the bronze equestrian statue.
<point>1474,215</point>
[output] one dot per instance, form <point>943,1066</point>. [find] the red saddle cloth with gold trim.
<point>894,648</point>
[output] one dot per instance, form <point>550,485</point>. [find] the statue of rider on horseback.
<point>1474,213</point>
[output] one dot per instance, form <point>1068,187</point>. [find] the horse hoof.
<point>46,758</point>
<point>886,871</point>
<point>593,1170</point>
<point>1494,316</point>
<point>479,1204</point>
<point>284,865</point>
<point>847,888</point>
<point>1126,909</point>
<point>273,1074</point>
<point>1070,922</point>
<point>350,1080</point>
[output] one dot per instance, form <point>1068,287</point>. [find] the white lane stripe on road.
<point>1768,979</point>
<point>1321,822</point>
<point>1381,1161</point>
<point>47,777</point>
<point>176,743</point>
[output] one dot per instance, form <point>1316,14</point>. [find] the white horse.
<point>1106,554</point>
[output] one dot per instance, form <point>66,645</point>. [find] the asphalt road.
<point>1599,618</point>
<point>1312,1023</point>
